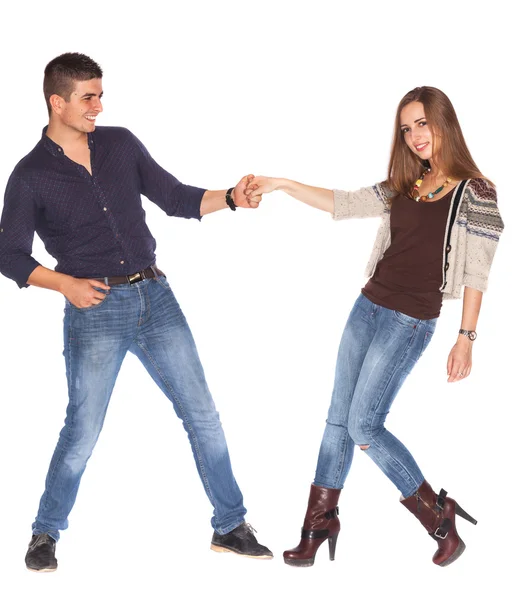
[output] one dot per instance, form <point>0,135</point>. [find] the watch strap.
<point>472,335</point>
<point>229,199</point>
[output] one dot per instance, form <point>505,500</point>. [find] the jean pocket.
<point>162,280</point>
<point>427,338</point>
<point>93,306</point>
<point>405,319</point>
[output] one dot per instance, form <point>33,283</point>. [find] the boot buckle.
<point>332,514</point>
<point>441,533</point>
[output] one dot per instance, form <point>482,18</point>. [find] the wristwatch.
<point>472,335</point>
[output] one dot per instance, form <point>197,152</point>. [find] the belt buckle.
<point>139,276</point>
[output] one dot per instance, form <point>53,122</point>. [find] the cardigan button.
<point>448,248</point>
<point>446,267</point>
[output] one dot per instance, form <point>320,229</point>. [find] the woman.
<point>439,230</point>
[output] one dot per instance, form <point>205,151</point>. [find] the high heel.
<point>332,542</point>
<point>321,523</point>
<point>462,513</point>
<point>437,513</point>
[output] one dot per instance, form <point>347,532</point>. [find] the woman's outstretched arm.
<point>320,198</point>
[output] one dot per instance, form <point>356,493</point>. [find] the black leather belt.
<point>148,273</point>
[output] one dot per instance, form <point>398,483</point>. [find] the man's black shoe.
<point>240,541</point>
<point>41,554</point>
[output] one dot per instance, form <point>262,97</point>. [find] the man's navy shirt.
<point>93,225</point>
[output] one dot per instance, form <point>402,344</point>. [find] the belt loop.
<point>154,270</point>
<point>106,283</point>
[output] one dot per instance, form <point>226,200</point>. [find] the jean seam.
<point>141,307</point>
<point>147,305</point>
<point>184,418</point>
<point>342,454</point>
<point>339,474</point>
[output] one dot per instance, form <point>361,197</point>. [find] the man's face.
<point>84,105</point>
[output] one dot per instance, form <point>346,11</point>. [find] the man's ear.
<point>57,103</point>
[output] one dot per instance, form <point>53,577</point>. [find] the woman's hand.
<point>261,185</point>
<point>459,360</point>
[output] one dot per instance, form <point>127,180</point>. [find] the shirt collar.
<point>57,150</point>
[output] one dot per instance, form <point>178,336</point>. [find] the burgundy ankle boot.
<point>320,523</point>
<point>436,512</point>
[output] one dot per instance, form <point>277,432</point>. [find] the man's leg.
<point>166,348</point>
<point>94,348</point>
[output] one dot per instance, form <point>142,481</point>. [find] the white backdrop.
<point>307,91</point>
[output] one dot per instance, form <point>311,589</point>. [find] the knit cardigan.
<point>473,238</point>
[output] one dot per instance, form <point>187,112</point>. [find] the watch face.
<point>472,335</point>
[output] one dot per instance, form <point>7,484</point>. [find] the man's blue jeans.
<point>378,350</point>
<point>146,319</point>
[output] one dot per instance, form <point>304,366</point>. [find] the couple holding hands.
<point>80,189</point>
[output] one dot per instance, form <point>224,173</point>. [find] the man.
<point>79,189</point>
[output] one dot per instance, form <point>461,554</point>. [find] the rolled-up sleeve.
<point>174,197</point>
<point>17,230</point>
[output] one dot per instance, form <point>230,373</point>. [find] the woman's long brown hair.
<point>452,157</point>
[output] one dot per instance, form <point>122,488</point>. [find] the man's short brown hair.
<point>62,72</point>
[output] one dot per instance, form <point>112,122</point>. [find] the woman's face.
<point>416,132</point>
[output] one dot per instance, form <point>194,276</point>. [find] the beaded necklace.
<point>416,193</point>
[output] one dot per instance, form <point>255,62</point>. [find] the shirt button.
<point>122,262</point>
<point>104,208</point>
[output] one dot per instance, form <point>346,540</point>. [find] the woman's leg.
<point>337,448</point>
<point>396,347</point>
<point>321,521</point>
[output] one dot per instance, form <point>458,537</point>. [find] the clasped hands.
<point>248,191</point>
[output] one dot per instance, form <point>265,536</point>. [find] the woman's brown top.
<point>409,276</point>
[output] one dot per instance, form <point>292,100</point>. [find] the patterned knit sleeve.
<point>484,226</point>
<point>366,202</point>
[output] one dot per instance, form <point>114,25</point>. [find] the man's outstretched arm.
<point>214,200</point>
<point>179,200</point>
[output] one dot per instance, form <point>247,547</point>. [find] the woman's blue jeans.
<point>378,350</point>
<point>146,319</point>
